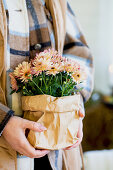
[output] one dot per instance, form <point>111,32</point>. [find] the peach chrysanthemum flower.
<point>23,71</point>
<point>17,71</point>
<point>40,65</point>
<point>54,69</point>
<point>46,54</point>
<point>13,82</point>
<point>79,76</point>
<point>68,67</point>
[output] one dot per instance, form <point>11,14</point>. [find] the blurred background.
<point>95,17</point>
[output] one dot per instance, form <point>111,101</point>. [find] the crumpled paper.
<point>58,114</point>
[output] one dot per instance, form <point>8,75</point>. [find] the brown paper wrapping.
<point>58,114</point>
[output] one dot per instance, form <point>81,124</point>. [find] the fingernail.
<point>81,114</point>
<point>42,127</point>
<point>68,148</point>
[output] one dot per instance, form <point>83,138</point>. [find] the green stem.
<point>61,77</point>
<point>64,87</point>
<point>69,91</point>
<point>50,80</point>
<point>62,90</point>
<point>44,81</point>
<point>26,90</point>
<point>41,82</point>
<point>50,90</point>
<point>37,86</point>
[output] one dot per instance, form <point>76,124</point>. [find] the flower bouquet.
<point>48,85</point>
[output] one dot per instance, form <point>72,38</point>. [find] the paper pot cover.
<point>58,114</point>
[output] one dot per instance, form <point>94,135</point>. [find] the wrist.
<point>5,121</point>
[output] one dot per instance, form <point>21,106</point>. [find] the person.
<point>28,27</point>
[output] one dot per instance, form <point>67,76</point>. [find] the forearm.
<point>5,115</point>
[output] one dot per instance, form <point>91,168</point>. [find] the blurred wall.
<point>95,17</point>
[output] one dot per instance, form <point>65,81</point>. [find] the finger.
<point>34,126</point>
<point>80,131</point>
<point>75,145</point>
<point>24,152</point>
<point>42,154</point>
<point>80,135</point>
<point>32,153</point>
<point>67,148</point>
<point>30,150</point>
<point>36,155</point>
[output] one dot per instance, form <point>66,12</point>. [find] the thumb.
<point>34,126</point>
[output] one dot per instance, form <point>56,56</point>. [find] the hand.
<point>79,135</point>
<point>14,133</point>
